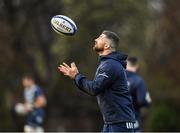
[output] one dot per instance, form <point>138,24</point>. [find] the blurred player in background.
<point>139,92</point>
<point>33,105</point>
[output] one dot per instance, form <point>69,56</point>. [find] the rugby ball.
<point>63,25</point>
<point>20,109</point>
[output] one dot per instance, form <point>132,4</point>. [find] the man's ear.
<point>106,46</point>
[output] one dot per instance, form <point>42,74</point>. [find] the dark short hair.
<point>28,76</point>
<point>133,60</point>
<point>113,37</point>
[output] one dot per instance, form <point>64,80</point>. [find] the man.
<point>109,84</point>
<point>140,95</point>
<point>34,103</point>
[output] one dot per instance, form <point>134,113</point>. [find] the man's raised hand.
<point>70,71</point>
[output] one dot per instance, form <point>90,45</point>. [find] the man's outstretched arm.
<point>93,87</point>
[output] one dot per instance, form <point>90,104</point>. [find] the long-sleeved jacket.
<point>110,87</point>
<point>139,92</point>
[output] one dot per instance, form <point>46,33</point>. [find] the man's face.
<point>100,43</point>
<point>26,82</point>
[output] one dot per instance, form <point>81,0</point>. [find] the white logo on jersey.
<point>128,83</point>
<point>103,74</point>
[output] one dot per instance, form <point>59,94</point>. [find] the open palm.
<point>69,71</point>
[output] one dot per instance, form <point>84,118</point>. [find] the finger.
<point>73,64</point>
<point>60,68</point>
<point>61,65</point>
<point>63,69</point>
<point>65,73</point>
<point>66,65</point>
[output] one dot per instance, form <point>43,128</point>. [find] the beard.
<point>98,49</point>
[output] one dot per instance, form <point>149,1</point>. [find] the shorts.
<point>35,118</point>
